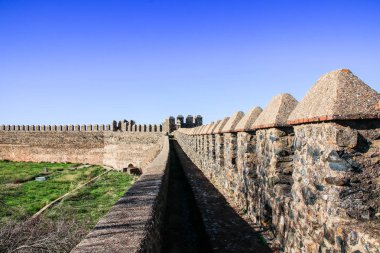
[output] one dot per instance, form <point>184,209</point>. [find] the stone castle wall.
<point>135,223</point>
<point>116,148</point>
<point>311,176</point>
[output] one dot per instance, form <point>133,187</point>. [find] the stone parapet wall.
<point>312,178</point>
<point>114,149</point>
<point>121,127</point>
<point>135,222</point>
<point>298,183</point>
<point>124,148</point>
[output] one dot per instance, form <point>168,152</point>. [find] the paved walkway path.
<point>183,229</point>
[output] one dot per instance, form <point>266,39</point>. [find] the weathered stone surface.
<point>208,126</point>
<point>114,149</point>
<point>227,231</point>
<point>274,181</point>
<point>337,95</point>
<point>217,126</point>
<point>222,123</point>
<point>315,187</point>
<point>201,129</point>
<point>193,130</point>
<point>232,122</point>
<point>188,131</point>
<point>135,222</point>
<point>333,184</point>
<point>246,122</point>
<point>311,187</point>
<point>276,113</point>
<point>211,129</point>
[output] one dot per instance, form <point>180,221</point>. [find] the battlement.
<point>120,126</point>
<point>171,124</point>
<point>115,145</point>
<point>308,171</point>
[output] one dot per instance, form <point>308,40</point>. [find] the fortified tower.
<point>171,124</point>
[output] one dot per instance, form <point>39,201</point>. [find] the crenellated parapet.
<point>87,143</point>
<point>307,171</point>
<point>121,126</point>
<point>171,124</point>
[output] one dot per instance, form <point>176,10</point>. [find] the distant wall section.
<point>116,149</point>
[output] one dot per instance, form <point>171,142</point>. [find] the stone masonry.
<point>309,172</point>
<point>117,147</point>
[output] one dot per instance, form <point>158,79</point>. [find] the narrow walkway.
<point>199,219</point>
<point>183,231</point>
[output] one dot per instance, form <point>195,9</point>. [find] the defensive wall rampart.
<point>116,145</point>
<point>135,222</point>
<point>308,171</point>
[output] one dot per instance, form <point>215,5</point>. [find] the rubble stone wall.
<point>316,186</point>
<point>308,171</point>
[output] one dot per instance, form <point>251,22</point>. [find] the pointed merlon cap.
<point>337,95</point>
<point>192,131</point>
<point>208,128</point>
<point>229,127</point>
<point>246,122</point>
<point>196,130</point>
<point>219,128</point>
<point>276,113</point>
<point>209,131</point>
<point>200,130</point>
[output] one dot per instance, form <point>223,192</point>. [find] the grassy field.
<point>91,202</point>
<point>21,196</point>
<point>63,225</point>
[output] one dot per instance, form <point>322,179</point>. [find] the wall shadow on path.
<point>226,229</point>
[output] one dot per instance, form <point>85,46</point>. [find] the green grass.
<point>90,203</point>
<point>18,172</point>
<point>21,196</point>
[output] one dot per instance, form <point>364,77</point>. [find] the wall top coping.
<point>126,225</point>
<point>199,130</point>
<point>222,123</point>
<point>232,122</point>
<point>206,129</point>
<point>203,128</point>
<point>191,131</point>
<point>245,124</point>
<point>337,95</point>
<point>211,129</point>
<point>276,113</point>
<point>216,126</point>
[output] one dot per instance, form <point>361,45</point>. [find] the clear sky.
<point>78,61</point>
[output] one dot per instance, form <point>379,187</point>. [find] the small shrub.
<point>40,235</point>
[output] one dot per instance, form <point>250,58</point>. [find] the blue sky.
<point>78,61</point>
